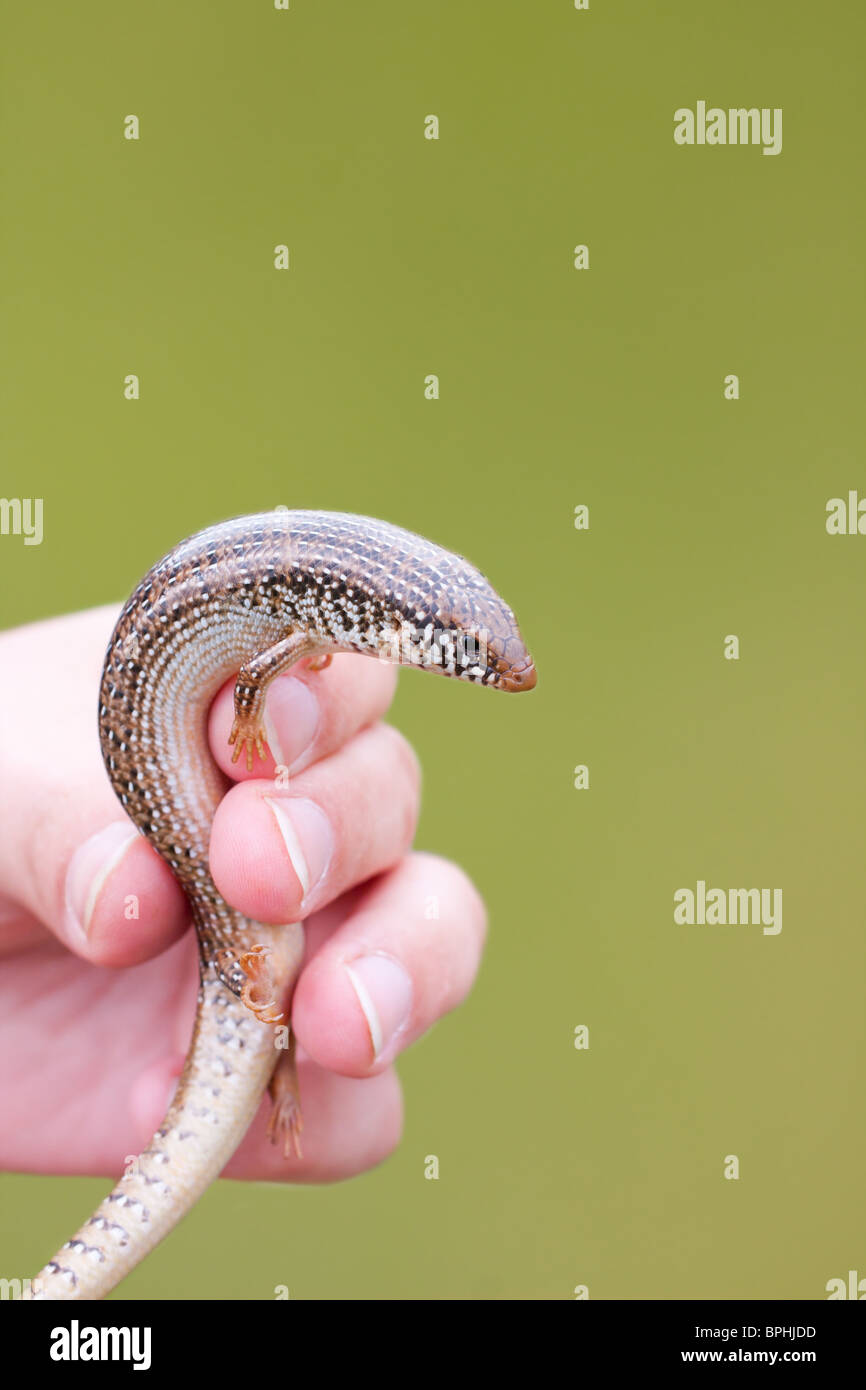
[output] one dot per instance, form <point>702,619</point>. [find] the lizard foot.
<point>318,663</point>
<point>286,1122</point>
<point>247,733</point>
<point>258,990</point>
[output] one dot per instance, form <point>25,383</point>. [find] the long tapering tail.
<point>230,1062</point>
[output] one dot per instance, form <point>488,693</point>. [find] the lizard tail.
<point>229,1064</point>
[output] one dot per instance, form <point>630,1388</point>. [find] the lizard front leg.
<point>252,684</point>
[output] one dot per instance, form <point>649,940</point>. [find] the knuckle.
<point>360,689</point>
<point>398,758</point>
<point>467,904</point>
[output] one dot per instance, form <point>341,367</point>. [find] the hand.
<point>92,1053</point>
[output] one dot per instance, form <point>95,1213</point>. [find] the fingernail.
<point>384,992</point>
<point>90,867</point>
<point>293,706</point>
<point>307,835</point>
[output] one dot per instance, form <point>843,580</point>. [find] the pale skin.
<point>91,1054</point>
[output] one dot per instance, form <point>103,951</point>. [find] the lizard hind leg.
<point>251,977</point>
<point>286,1122</point>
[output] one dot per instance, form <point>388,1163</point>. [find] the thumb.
<point>69,856</point>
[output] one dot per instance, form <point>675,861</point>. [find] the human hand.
<point>91,1053</point>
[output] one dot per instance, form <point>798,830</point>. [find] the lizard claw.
<point>320,662</point>
<point>286,1120</point>
<point>247,733</point>
<point>258,989</point>
<point>255,964</point>
<point>286,1123</point>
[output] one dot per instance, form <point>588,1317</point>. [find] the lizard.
<point>249,598</point>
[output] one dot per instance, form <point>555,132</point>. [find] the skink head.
<point>401,597</point>
<point>518,676</point>
<point>503,662</point>
<point>469,633</point>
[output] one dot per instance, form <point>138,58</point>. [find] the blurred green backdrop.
<point>409,256</point>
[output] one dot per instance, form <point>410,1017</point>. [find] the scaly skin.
<point>250,596</point>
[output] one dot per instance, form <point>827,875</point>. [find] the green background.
<point>707,517</point>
